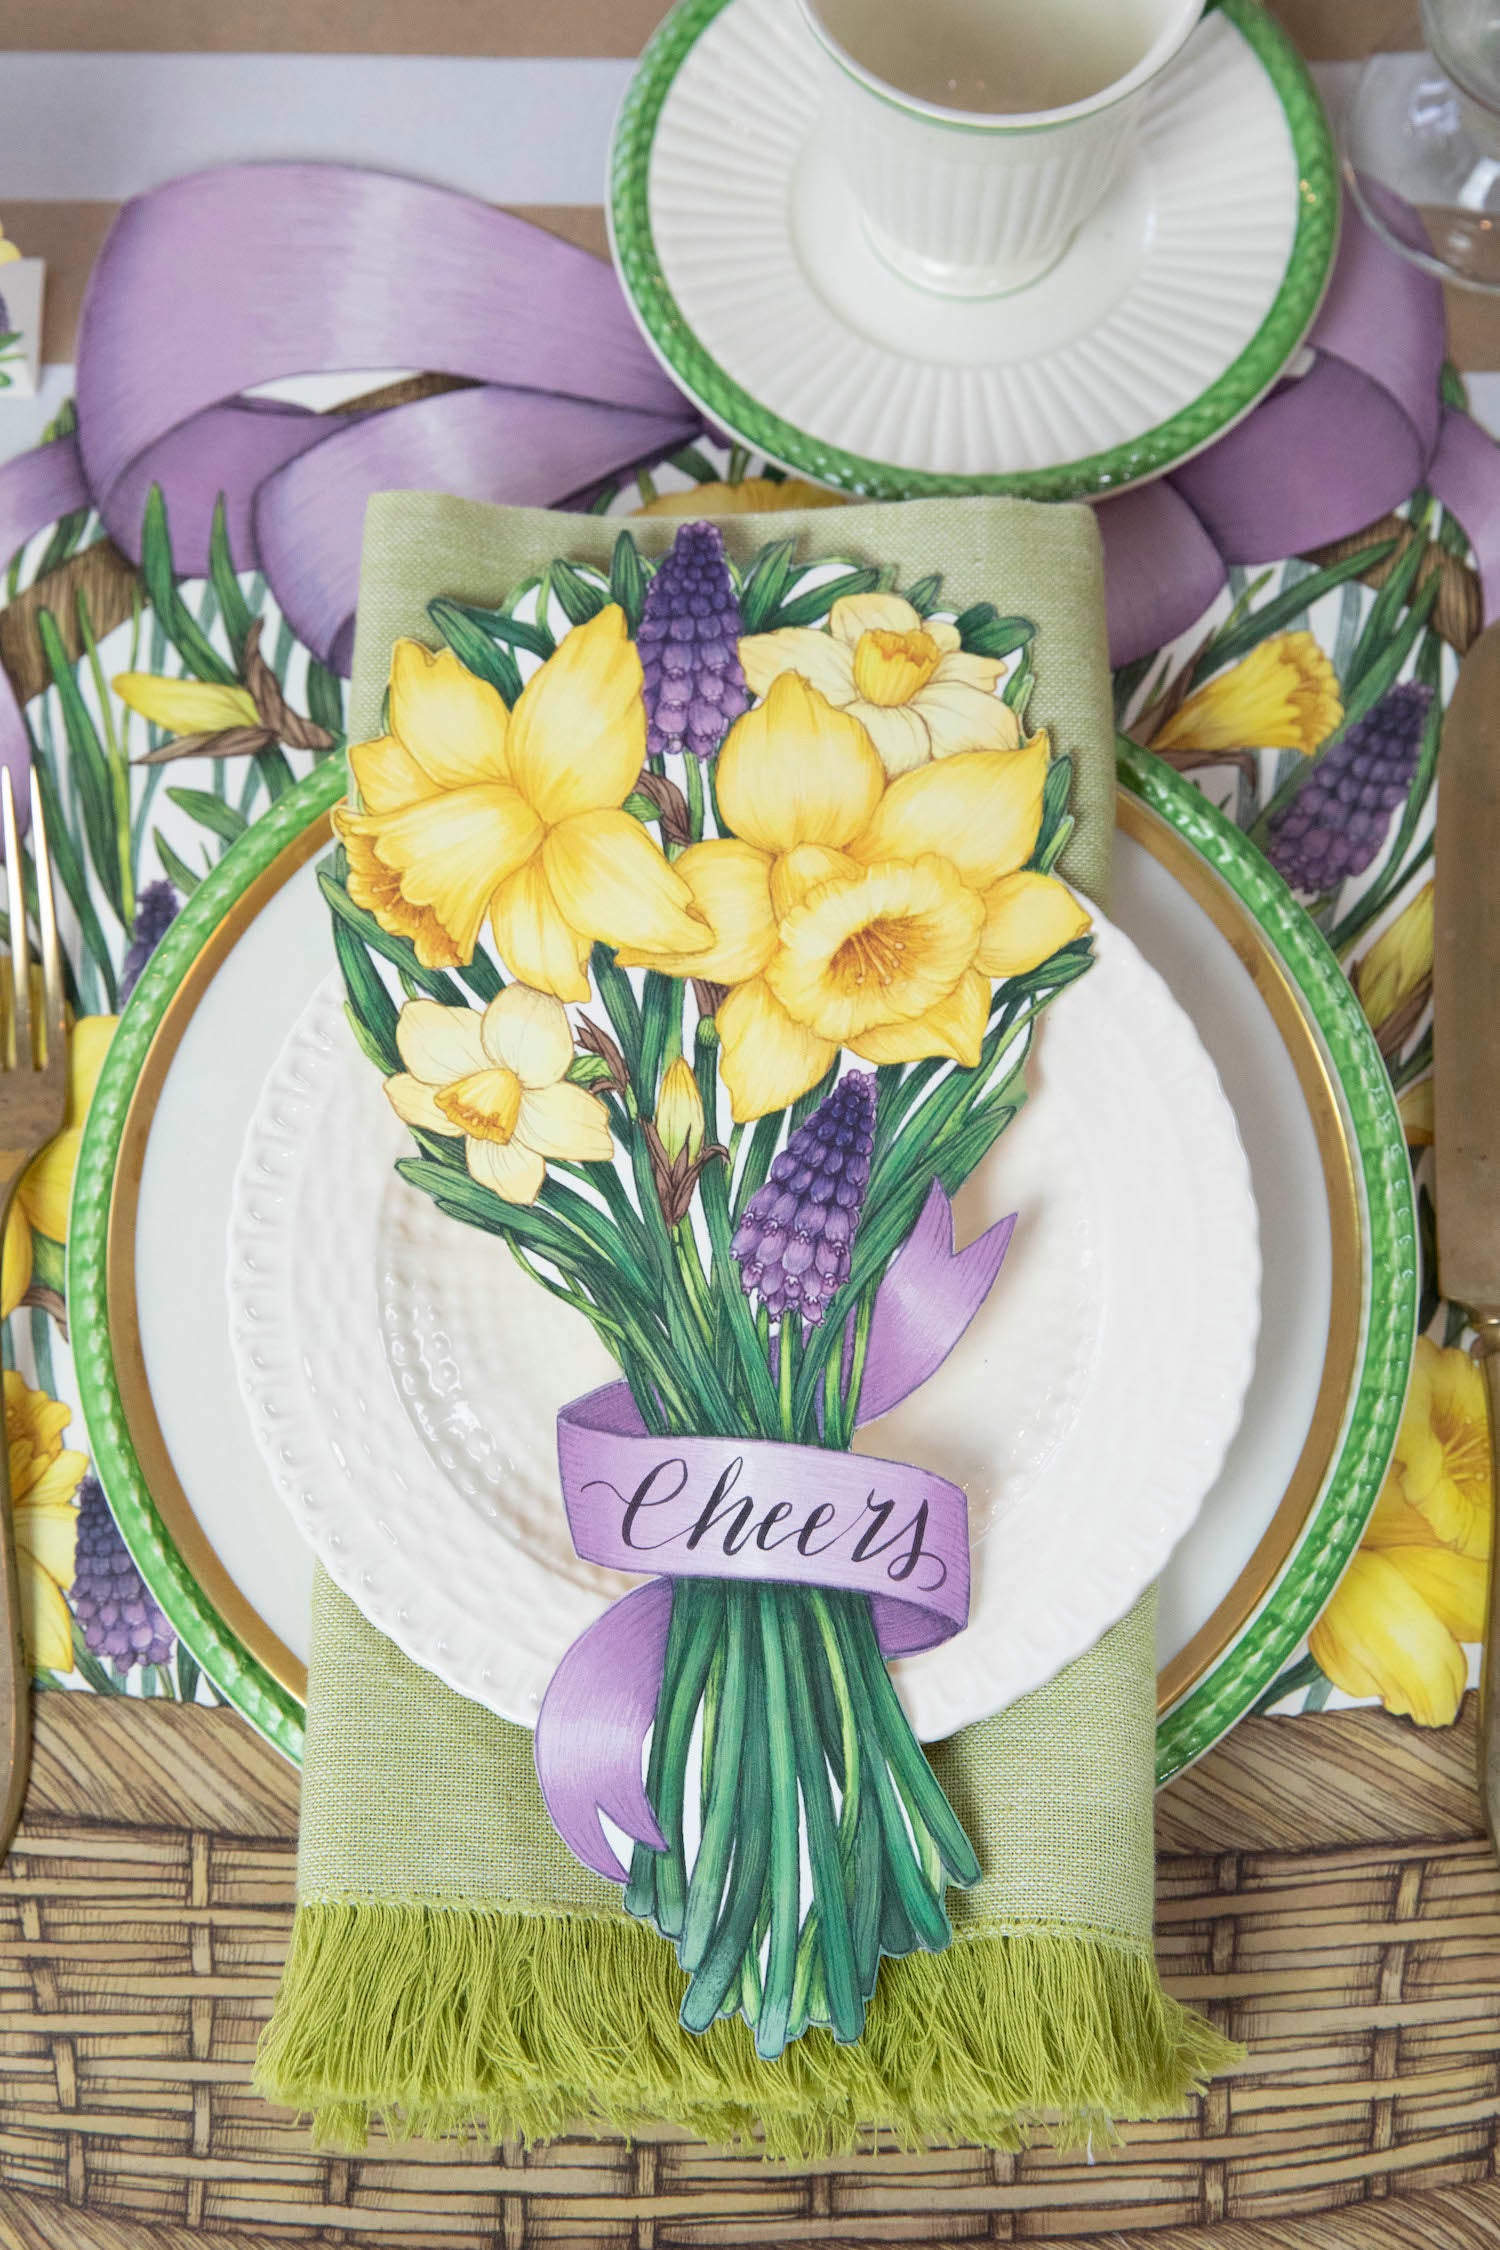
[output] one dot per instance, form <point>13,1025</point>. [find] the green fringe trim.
<point>449,2019</point>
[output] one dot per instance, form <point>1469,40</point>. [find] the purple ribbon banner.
<point>216,285</point>
<point>758,1510</point>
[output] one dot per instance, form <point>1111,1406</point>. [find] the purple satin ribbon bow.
<point>228,280</point>
<point>752,1509</point>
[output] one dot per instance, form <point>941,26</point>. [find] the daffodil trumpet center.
<point>485,1105</point>
<point>881,948</point>
<point>891,668</point>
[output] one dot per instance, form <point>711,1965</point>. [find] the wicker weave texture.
<point>138,1958</point>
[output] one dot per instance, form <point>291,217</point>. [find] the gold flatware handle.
<point>1487,1340</point>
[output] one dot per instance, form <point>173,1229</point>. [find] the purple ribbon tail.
<point>593,1724</point>
<point>928,1298</point>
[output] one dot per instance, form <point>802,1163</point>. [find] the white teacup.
<point>978,135</point>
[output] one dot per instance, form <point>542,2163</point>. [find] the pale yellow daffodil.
<point>184,707</point>
<point>1399,963</point>
<point>469,810</point>
<point>914,690</point>
<point>44,1479</point>
<point>748,497</point>
<point>45,1189</point>
<point>8,251</point>
<point>1283,696</point>
<point>1415,1591</point>
<point>851,911</point>
<point>501,1080</point>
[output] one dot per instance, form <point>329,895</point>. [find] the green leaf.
<point>1384,610</point>
<point>984,633</point>
<point>371,1008</point>
<point>71,873</point>
<point>88,765</point>
<point>325,699</point>
<point>694,464</point>
<point>210,812</point>
<point>1056,792</point>
<point>924,595</point>
<point>627,579</point>
<point>233,608</point>
<point>48,1262</point>
<point>1276,615</point>
<point>177,621</point>
<point>189,1673</point>
<point>815,604</point>
<point>397,950</point>
<point>641,807</point>
<point>520,632</point>
<point>766,583</point>
<point>275,770</point>
<point>474,648</point>
<point>178,869</point>
<point>578,597</point>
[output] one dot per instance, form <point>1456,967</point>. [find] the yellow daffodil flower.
<point>501,1080</point>
<point>45,1189</point>
<point>851,911</point>
<point>751,496</point>
<point>472,810</point>
<point>1415,1591</point>
<point>44,1514</point>
<point>184,707</point>
<point>1399,963</point>
<point>915,692</point>
<point>9,252</point>
<point>1283,696</point>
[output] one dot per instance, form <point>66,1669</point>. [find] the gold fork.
<point>33,1097</point>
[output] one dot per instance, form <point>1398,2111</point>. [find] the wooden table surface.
<point>1324,1886</point>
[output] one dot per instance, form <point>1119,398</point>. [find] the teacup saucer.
<point>1175,308</point>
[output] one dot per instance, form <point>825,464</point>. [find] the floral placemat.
<point>168,714</point>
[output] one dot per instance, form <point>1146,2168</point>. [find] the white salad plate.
<point>1177,305</point>
<point>403,1374</point>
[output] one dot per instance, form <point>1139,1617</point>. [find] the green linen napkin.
<point>451,1964</point>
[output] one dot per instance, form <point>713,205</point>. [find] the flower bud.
<point>679,1113</point>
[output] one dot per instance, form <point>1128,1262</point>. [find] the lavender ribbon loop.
<point>227,280</point>
<point>759,1510</point>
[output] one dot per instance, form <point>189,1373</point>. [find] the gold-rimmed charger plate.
<point>1309,1526</point>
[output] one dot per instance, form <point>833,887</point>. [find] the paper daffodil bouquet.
<point>698,923</point>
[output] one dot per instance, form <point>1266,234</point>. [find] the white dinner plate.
<point>404,1376</point>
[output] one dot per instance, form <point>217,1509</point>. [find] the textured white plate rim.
<point>306,1428</point>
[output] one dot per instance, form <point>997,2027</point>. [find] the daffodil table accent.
<point>707,1038</point>
<point>1415,1591</point>
<point>842,896</point>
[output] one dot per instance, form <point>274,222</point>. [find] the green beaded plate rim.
<point>1169,443</point>
<point>1264,1645</point>
<point>235,1671</point>
<point>1389,1280</point>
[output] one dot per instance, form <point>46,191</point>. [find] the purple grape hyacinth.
<point>689,647</point>
<point>155,912</point>
<point>794,1240</point>
<point>1339,818</point>
<point>120,1620</point>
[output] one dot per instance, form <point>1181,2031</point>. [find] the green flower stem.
<point>781,1961</point>
<point>846,2009</point>
<point>734,1306</point>
<point>693,776</point>
<point>704,1602</point>
<point>721,1765</point>
<point>918,1781</point>
<point>729,1970</point>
